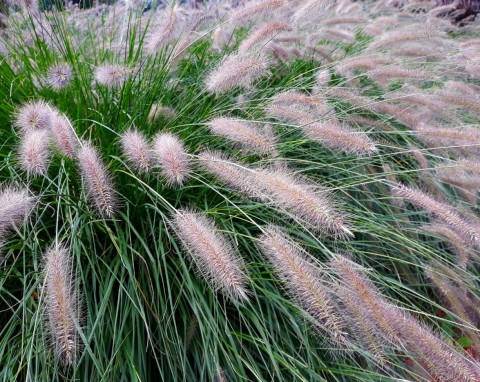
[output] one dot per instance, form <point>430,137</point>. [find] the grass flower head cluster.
<point>277,190</point>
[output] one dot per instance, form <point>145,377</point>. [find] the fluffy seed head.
<point>244,133</point>
<point>165,32</point>
<point>15,205</point>
<point>157,110</point>
<point>440,211</point>
<point>172,158</point>
<point>305,200</point>
<point>234,175</point>
<point>256,8</point>
<point>236,71</point>
<point>137,150</point>
<point>63,135</point>
<point>96,180</point>
<point>34,115</point>
<point>34,152</point>
<point>410,33</point>
<point>111,75</point>
<point>62,304</point>
<point>265,32</point>
<point>303,281</point>
<point>338,137</point>
<point>59,76</point>
<point>212,252</point>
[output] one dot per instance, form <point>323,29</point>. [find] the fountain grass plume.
<point>212,252</point>
<point>245,133</point>
<point>62,304</point>
<point>96,179</point>
<point>303,282</point>
<point>137,150</point>
<point>172,158</point>
<point>59,76</point>
<point>34,152</point>
<point>33,115</point>
<point>305,200</point>
<point>16,205</point>
<point>236,70</point>
<point>63,135</point>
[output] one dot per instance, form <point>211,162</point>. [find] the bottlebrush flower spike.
<point>171,23</point>
<point>441,212</point>
<point>157,110</point>
<point>34,115</point>
<point>236,71</point>
<point>15,205</point>
<point>265,32</point>
<point>310,7</point>
<point>111,75</point>
<point>294,99</point>
<point>59,76</point>
<point>232,174</point>
<point>244,133</point>
<point>212,253</point>
<point>465,139</point>
<point>303,281</point>
<point>409,33</point>
<point>338,137</point>
<point>96,180</point>
<point>62,304</point>
<point>435,356</point>
<point>172,158</point>
<point>137,150</point>
<point>256,8</point>
<point>305,200</point>
<point>460,247</point>
<point>34,152</point>
<point>64,135</point>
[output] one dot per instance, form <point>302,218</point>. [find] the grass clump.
<point>270,190</point>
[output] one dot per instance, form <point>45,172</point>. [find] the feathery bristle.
<point>111,75</point>
<point>440,211</point>
<point>137,150</point>
<point>157,111</point>
<point>244,133</point>
<point>305,200</point>
<point>59,76</point>
<point>165,32</point>
<point>15,205</point>
<point>310,7</point>
<point>34,152</point>
<point>290,114</point>
<point>304,101</point>
<point>96,180</point>
<point>234,175</point>
<point>460,247</point>
<point>212,252</point>
<point>34,115</point>
<point>338,137</point>
<point>265,32</point>
<point>62,304</point>
<point>63,135</point>
<point>172,158</point>
<point>236,71</point>
<point>303,281</point>
<point>256,8</point>
<point>404,34</point>
<point>441,361</point>
<point>466,139</point>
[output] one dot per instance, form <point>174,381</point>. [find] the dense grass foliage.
<point>275,190</point>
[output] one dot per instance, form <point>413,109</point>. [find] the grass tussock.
<point>279,190</point>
